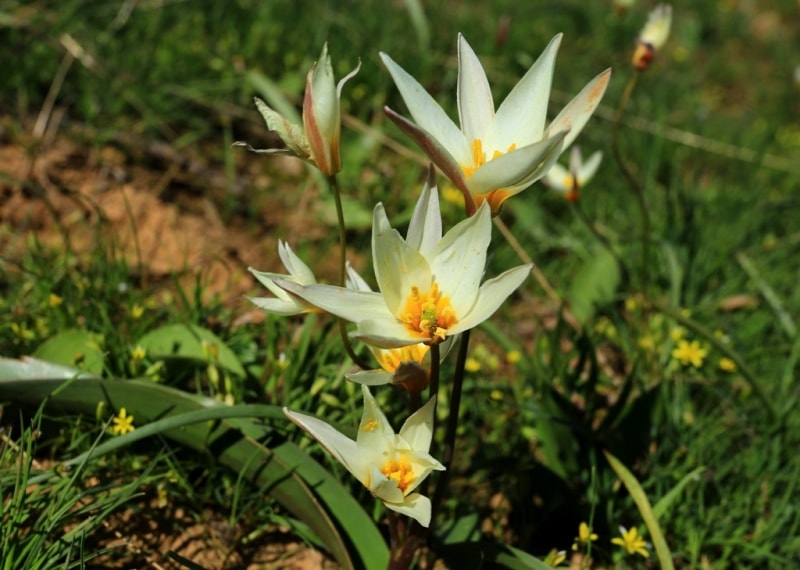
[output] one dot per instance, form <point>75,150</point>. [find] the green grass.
<point>710,133</point>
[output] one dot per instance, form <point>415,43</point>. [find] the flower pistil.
<point>428,314</point>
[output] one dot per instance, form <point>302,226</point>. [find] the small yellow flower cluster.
<point>584,538</point>
<point>631,541</point>
<point>727,365</point>
<point>690,353</point>
<point>482,358</point>
<point>122,423</point>
<point>136,311</point>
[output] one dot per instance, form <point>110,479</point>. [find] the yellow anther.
<point>399,470</point>
<point>428,315</point>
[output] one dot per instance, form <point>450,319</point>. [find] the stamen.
<point>428,315</point>
<point>399,470</point>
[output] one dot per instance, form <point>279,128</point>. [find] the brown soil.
<point>159,208</point>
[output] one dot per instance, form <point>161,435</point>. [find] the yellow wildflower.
<point>472,365</point>
<point>727,365</point>
<point>690,353</point>
<point>138,353</point>
<point>123,423</point>
<point>137,311</point>
<point>631,541</point>
<point>513,356</point>
<point>585,536</point>
<point>55,300</point>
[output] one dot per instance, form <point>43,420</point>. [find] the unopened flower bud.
<point>653,36</point>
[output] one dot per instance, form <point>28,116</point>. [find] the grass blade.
<point>645,509</point>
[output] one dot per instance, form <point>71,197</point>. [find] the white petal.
<point>385,333</point>
<point>375,436</point>
<point>398,268</point>
<point>427,113</point>
<point>589,168</point>
<point>461,258</point>
<point>558,178</point>
<point>416,506</point>
<point>425,228</point>
<point>511,170</point>
<point>350,305</point>
<point>521,117</point>
<point>574,116</point>
<point>384,488</point>
<point>475,104</point>
<point>267,280</point>
<point>370,377</point>
<point>284,308</point>
<point>418,428</point>
<point>380,221</point>
<point>341,447</point>
<point>492,294</point>
<point>354,280</point>
<point>294,265</point>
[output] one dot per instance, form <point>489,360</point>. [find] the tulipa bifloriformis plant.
<point>430,284</point>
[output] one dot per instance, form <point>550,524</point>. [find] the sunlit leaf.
<point>78,348</point>
<point>190,342</point>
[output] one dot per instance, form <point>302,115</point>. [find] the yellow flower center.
<point>429,315</point>
<point>399,470</point>
<point>479,158</point>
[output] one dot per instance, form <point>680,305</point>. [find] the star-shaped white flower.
<point>391,465</point>
<point>430,285</point>
<point>283,303</point>
<point>494,154</point>
<point>570,182</point>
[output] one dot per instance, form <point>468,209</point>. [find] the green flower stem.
<point>636,188</point>
<point>450,429</point>
<point>333,184</point>
<point>405,537</point>
<point>723,348</point>
<point>435,366</point>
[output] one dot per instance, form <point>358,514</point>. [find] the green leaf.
<point>594,286</point>
<point>462,529</point>
<point>231,434</point>
<point>643,504</point>
<point>76,348</point>
<point>193,343</point>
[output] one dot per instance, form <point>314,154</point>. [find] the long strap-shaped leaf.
<point>298,482</point>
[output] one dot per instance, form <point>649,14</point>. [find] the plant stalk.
<point>333,184</point>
